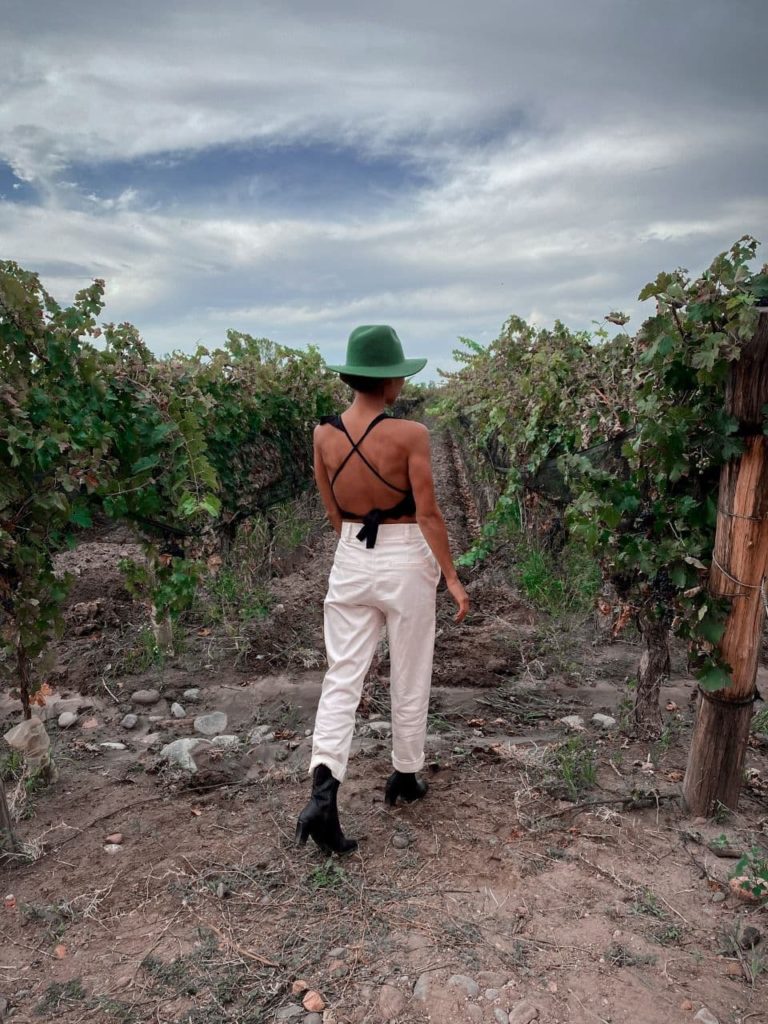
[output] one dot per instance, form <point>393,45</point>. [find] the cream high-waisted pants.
<point>393,583</point>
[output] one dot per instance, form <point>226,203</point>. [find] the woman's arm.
<point>324,485</point>
<point>429,517</point>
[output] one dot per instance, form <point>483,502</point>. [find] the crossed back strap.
<point>338,422</point>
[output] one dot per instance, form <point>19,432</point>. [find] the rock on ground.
<point>575,722</point>
<point>145,696</point>
<point>467,985</point>
<point>177,710</point>
<point>523,1013</point>
<point>212,724</point>
<point>129,722</point>
<point>604,721</point>
<point>228,742</point>
<point>705,1016</point>
<point>179,753</point>
<point>391,1002</point>
<point>67,718</point>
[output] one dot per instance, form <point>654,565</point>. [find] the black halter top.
<point>371,520</point>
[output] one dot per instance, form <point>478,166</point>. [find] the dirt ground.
<point>548,875</point>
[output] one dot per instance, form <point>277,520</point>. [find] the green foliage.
<point>752,868</point>
<point>574,767</point>
<point>91,424</point>
<point>626,435</point>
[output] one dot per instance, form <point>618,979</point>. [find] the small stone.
<point>66,719</point>
<point>192,694</point>
<point>150,739</point>
<point>261,734</point>
<point>422,988</point>
<point>500,1016</point>
<point>468,985</point>
<point>313,1002</point>
<point>574,722</point>
<point>523,1013</point>
<point>733,969</point>
<point>116,838</point>
<point>491,994</point>
<point>179,753</point>
<point>129,722</point>
<point>552,986</point>
<point>391,1002</point>
<point>339,953</point>
<point>606,722</point>
<point>145,696</point>
<point>113,746</point>
<point>400,841</point>
<point>337,968</point>
<point>288,1013</point>
<point>212,724</point>
<point>112,848</point>
<point>686,1005</point>
<point>749,936</point>
<point>718,897</point>
<point>299,987</point>
<point>329,1017</point>
<point>313,1018</point>
<point>178,711</point>
<point>90,723</point>
<point>226,742</point>
<point>380,728</point>
<point>492,979</point>
<point>705,1016</point>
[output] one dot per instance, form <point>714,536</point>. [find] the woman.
<point>391,551</point>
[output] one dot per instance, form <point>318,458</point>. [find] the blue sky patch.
<point>13,189</point>
<point>289,179</point>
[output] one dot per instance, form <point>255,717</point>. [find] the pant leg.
<point>351,634</point>
<point>411,628</point>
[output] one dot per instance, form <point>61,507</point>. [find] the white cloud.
<point>571,151</point>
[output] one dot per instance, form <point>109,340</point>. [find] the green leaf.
<point>713,677</point>
<point>145,463</point>
<point>81,516</point>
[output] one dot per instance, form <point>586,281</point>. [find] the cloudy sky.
<point>295,168</point>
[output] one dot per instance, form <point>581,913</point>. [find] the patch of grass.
<point>326,876</point>
<point>233,596</point>
<point>59,995</point>
<point>174,975</point>
<point>760,722</point>
<point>11,766</point>
<point>619,956</point>
<point>647,903</point>
<point>574,768</point>
<point>722,814</point>
<point>144,654</point>
<point>569,582</point>
<point>669,734</point>
<point>54,917</point>
<point>672,935</point>
<point>438,723</point>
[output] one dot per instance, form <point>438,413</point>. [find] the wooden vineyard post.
<point>739,566</point>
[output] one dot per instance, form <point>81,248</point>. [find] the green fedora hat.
<point>374,350</point>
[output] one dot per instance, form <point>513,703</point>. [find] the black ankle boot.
<point>320,818</point>
<point>405,785</point>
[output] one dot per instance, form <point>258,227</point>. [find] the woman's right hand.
<point>460,596</point>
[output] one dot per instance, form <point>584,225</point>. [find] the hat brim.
<point>407,368</point>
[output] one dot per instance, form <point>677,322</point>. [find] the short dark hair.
<point>365,385</point>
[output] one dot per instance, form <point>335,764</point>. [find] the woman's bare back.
<point>357,489</point>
